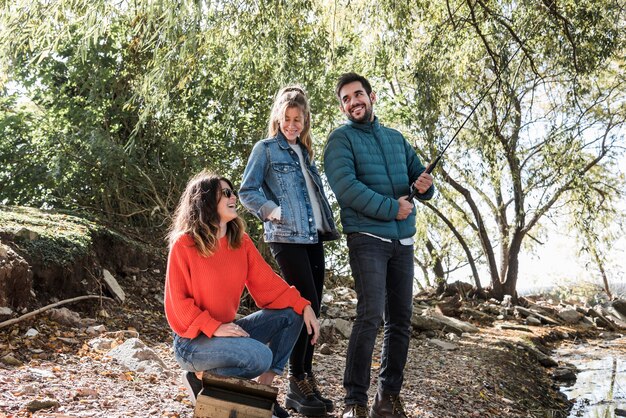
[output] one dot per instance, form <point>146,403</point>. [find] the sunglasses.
<point>229,192</point>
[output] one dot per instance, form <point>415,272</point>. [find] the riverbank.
<point>50,368</point>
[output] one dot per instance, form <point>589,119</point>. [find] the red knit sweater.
<point>201,293</point>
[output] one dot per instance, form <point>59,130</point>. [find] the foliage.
<point>109,107</point>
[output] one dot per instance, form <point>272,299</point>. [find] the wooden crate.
<point>230,397</point>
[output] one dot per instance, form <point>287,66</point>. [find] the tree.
<point>545,134</point>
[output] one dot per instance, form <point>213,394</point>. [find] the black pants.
<point>302,266</point>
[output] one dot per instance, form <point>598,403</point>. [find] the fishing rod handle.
<point>428,170</point>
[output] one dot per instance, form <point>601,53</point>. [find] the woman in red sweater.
<point>211,260</point>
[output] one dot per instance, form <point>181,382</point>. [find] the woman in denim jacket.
<point>282,187</point>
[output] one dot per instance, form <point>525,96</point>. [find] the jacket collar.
<point>366,126</point>
<point>282,141</point>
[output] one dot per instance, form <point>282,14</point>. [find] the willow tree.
<point>130,98</point>
<point>545,83</point>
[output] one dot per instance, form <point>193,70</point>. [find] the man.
<point>370,169</point>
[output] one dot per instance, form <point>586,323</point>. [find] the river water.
<point>600,386</point>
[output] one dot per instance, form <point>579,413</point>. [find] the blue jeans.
<point>273,332</point>
<point>383,279</point>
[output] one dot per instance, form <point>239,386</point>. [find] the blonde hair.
<point>286,98</point>
<point>196,215</point>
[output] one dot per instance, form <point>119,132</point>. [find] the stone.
<point>136,356</point>
<point>65,316</point>
<point>9,360</point>
<point>620,306</point>
<point>564,374</point>
<point>343,327</point>
<point>96,330</point>
<point>32,332</point>
<point>532,320</point>
<point>36,405</point>
<point>443,344</point>
<point>27,234</point>
<point>325,349</point>
<point>113,286</point>
<point>570,315</point>
<point>5,312</point>
<point>101,344</point>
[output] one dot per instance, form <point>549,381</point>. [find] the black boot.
<point>301,397</point>
<point>387,405</point>
<point>313,383</point>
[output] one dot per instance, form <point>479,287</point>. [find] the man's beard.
<point>367,116</point>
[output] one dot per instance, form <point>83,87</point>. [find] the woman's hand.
<point>311,322</point>
<point>230,329</point>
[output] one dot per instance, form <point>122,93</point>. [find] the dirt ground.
<point>58,374</point>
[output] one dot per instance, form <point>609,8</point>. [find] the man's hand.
<point>405,208</point>
<point>230,329</point>
<point>311,323</point>
<point>423,182</point>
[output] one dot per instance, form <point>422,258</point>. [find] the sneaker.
<point>301,398</point>
<point>279,412</point>
<point>192,384</point>
<point>315,386</point>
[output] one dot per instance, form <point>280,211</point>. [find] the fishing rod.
<point>434,163</point>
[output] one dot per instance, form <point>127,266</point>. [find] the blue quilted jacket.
<point>369,167</point>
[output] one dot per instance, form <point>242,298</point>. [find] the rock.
<point>5,312</point>
<point>16,280</point>
<point>543,359</point>
<point>570,315</point>
<point>36,405</point>
<point>114,287</point>
<point>32,332</point>
<point>136,356</point>
<point>564,374</point>
<point>65,316</point>
<point>528,312</point>
<point>4,251</point>
<point>9,360</point>
<point>27,234</point>
<point>532,320</point>
<point>507,301</point>
<point>432,321</point>
<point>327,332</point>
<point>101,344</point>
<point>620,412</point>
<point>325,349</point>
<point>620,306</point>
<point>327,298</point>
<point>343,327</point>
<point>514,327</point>
<point>443,344</point>
<point>96,330</point>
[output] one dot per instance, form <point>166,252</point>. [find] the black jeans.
<point>383,278</point>
<point>302,266</point>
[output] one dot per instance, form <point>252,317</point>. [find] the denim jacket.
<point>273,178</point>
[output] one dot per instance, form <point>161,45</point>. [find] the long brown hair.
<point>196,215</point>
<point>286,98</point>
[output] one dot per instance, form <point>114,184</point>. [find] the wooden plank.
<point>207,407</point>
<point>244,386</point>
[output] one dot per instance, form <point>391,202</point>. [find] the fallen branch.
<point>52,305</point>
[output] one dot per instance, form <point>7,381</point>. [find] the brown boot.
<point>354,411</point>
<point>387,405</point>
